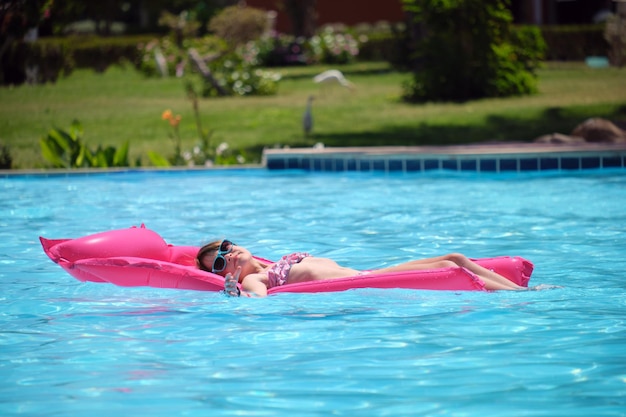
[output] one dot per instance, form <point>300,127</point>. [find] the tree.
<point>466,49</point>
<point>17,17</point>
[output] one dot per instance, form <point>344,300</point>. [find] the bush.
<point>331,46</point>
<point>385,47</point>
<point>99,53</point>
<point>236,73</point>
<point>275,51</point>
<point>529,47</point>
<point>467,49</point>
<point>237,77</point>
<point>174,60</point>
<point>38,62</point>
<point>65,149</point>
<point>6,160</point>
<point>238,25</point>
<point>574,42</point>
<point>55,57</point>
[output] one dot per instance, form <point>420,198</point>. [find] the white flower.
<point>221,148</point>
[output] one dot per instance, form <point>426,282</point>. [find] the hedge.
<point>56,56</point>
<point>574,42</point>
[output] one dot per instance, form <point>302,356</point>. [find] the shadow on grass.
<point>496,128</point>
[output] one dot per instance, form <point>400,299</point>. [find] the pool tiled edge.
<point>492,158</point>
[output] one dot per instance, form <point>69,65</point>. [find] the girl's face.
<point>226,260</point>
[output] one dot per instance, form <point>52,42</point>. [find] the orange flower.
<point>167,115</point>
<point>174,121</point>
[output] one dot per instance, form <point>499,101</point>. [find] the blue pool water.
<point>76,349</point>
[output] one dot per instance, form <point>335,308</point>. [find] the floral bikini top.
<point>278,273</point>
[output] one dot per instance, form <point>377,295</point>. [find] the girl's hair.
<point>205,250</point>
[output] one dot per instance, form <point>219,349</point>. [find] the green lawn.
<point>121,105</point>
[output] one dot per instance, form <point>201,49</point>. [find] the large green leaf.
<point>76,130</point>
<point>52,152</point>
<point>120,159</point>
<point>158,160</point>
<point>63,139</point>
<point>84,157</point>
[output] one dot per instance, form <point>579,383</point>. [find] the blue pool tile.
<point>468,165</point>
<point>365,165</point>
<point>548,163</point>
<point>294,163</point>
<point>612,162</point>
<point>450,164</point>
<point>276,163</point>
<point>430,164</point>
<point>590,162</point>
<point>378,165</point>
<point>418,163</point>
<point>529,164</point>
<point>396,165</point>
<point>508,164</point>
<point>413,165</point>
<point>488,165</point>
<point>570,163</point>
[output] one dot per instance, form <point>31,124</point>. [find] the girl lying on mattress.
<point>237,265</point>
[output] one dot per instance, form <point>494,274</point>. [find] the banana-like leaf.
<point>157,160</point>
<point>120,159</point>
<point>52,152</point>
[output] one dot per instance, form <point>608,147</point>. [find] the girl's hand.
<point>230,284</point>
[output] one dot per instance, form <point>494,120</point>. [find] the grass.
<point>121,105</point>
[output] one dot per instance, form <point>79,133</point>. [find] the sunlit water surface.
<point>83,349</point>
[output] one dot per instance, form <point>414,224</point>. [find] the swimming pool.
<point>71,348</point>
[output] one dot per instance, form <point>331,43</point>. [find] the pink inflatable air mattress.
<point>140,257</point>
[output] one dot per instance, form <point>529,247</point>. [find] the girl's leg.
<point>492,280</point>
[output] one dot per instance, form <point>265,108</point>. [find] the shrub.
<point>331,46</point>
<point>6,160</point>
<point>238,25</point>
<point>275,51</point>
<point>55,57</point>
<point>65,149</point>
<point>182,26</point>
<point>466,50</point>
<point>574,42</point>
<point>36,62</point>
<point>237,77</point>
<point>384,47</point>
<point>529,47</point>
<point>99,53</point>
<point>174,60</point>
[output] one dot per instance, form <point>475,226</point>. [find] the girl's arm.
<point>252,285</point>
